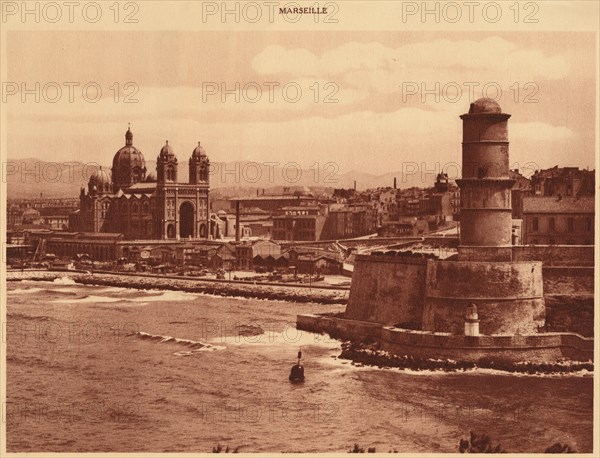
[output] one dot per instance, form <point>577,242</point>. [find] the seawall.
<point>535,348</point>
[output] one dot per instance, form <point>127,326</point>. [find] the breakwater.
<point>251,290</point>
<point>373,355</point>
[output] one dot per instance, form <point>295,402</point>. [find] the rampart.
<point>388,289</point>
<point>508,296</point>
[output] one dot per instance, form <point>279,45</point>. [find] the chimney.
<point>394,182</point>
<point>355,185</point>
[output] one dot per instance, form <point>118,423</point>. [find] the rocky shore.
<point>221,288</point>
<point>370,354</point>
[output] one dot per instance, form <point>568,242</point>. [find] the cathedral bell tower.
<point>198,165</point>
<point>166,165</point>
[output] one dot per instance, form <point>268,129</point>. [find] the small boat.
<point>297,373</point>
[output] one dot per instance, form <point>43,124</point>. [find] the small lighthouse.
<point>471,321</point>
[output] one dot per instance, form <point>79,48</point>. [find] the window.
<point>535,226</point>
<point>570,225</point>
<point>552,223</point>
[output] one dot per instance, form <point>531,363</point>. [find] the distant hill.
<point>30,178</point>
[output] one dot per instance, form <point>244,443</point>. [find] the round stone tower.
<point>485,210</point>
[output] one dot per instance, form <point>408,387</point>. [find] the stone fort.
<point>492,299</point>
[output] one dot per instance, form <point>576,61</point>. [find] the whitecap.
<point>291,337</point>
<point>90,299</point>
<point>64,281</point>
<point>25,291</point>
<point>193,346</point>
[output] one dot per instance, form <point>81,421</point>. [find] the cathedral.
<point>147,206</point>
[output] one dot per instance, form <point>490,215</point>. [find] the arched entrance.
<point>186,220</point>
<point>171,231</point>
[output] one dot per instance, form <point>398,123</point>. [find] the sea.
<point>108,369</point>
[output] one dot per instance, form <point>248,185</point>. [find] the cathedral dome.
<point>129,155</point>
<point>100,178</point>
<point>127,159</point>
<point>100,181</point>
<point>198,151</point>
<point>128,163</point>
<point>152,177</point>
<point>485,105</point>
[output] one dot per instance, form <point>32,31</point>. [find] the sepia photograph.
<point>316,228</point>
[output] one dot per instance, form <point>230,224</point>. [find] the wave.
<point>115,294</point>
<point>289,337</point>
<point>90,299</point>
<point>168,295</point>
<point>26,290</point>
<point>192,346</point>
<point>64,281</point>
<point>23,316</point>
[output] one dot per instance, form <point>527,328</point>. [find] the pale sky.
<point>372,126</point>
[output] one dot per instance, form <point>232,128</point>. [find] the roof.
<point>32,227</point>
<point>253,210</point>
<point>144,187</point>
<point>314,216</point>
<point>521,182</point>
<point>167,150</point>
<point>127,156</point>
<point>308,257</point>
<point>300,207</point>
<point>557,171</point>
<point>267,197</point>
<point>558,205</point>
<point>199,151</point>
<point>485,105</point>
<point>255,218</point>
<point>226,248</point>
<point>100,177</point>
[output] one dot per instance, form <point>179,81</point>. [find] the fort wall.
<point>388,290</point>
<point>556,255</point>
<point>569,299</point>
<point>550,255</point>
<point>512,297</point>
<point>508,296</point>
